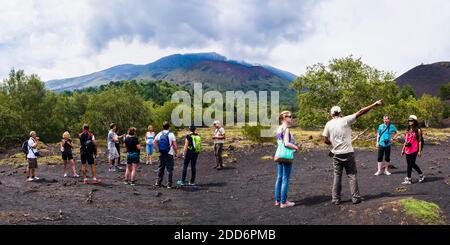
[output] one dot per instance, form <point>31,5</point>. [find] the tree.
<point>346,82</point>
<point>407,91</point>
<point>445,92</point>
<point>431,109</point>
<point>120,106</point>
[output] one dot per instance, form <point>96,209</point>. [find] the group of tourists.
<point>338,134</point>
<point>165,143</point>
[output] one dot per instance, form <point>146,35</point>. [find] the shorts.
<point>150,149</point>
<point>113,154</point>
<point>384,152</point>
<point>67,156</point>
<point>87,158</point>
<point>133,158</point>
<point>32,163</point>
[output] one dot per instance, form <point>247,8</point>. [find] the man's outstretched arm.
<point>364,110</point>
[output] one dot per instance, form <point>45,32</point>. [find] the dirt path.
<point>240,194</point>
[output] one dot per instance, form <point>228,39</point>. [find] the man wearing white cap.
<point>338,134</point>
<point>219,140</point>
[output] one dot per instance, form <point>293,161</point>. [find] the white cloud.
<point>59,39</point>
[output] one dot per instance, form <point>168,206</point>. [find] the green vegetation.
<point>424,212</point>
<point>254,133</point>
<point>26,105</point>
<point>351,84</point>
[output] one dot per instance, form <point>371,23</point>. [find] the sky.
<point>64,38</point>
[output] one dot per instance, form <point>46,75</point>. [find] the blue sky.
<point>65,38</point>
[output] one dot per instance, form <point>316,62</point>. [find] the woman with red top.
<point>413,148</point>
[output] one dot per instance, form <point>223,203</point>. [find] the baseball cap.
<point>217,123</point>
<point>335,109</point>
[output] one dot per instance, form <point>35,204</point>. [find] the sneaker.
<point>287,205</point>
<point>30,179</point>
<point>96,181</point>
<point>158,185</point>
<point>169,186</point>
<point>126,182</point>
<point>277,204</point>
<point>65,175</point>
<point>112,169</point>
<point>76,176</point>
<point>421,178</point>
<point>36,178</point>
<point>407,181</point>
<point>133,183</point>
<point>387,173</point>
<point>86,182</point>
<point>377,173</point>
<point>191,184</point>
<point>181,183</point>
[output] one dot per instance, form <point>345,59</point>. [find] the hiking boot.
<point>357,201</point>
<point>287,205</point>
<point>421,178</point>
<point>387,173</point>
<point>407,181</point>
<point>336,202</point>
<point>377,173</point>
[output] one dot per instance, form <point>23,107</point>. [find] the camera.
<point>408,144</point>
<point>386,142</point>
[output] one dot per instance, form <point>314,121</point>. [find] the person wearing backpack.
<point>385,134</point>
<point>87,152</point>
<point>32,156</point>
<point>166,144</point>
<point>191,151</point>
<point>67,155</point>
<point>412,149</point>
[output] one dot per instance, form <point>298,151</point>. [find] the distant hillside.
<point>427,78</point>
<point>214,71</point>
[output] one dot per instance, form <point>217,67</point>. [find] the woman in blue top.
<point>284,169</point>
<point>385,135</point>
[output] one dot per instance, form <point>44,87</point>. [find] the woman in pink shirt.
<point>413,148</point>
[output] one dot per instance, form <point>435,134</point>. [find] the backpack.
<point>164,143</point>
<point>25,148</point>
<point>87,144</point>
<point>196,143</point>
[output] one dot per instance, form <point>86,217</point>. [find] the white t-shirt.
<point>172,139</point>
<point>339,132</point>
<point>217,133</point>
<point>111,137</point>
<point>31,143</point>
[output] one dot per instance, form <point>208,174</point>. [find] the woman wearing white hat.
<point>413,148</point>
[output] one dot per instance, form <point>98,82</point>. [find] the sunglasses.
<point>410,120</point>
<point>287,116</point>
